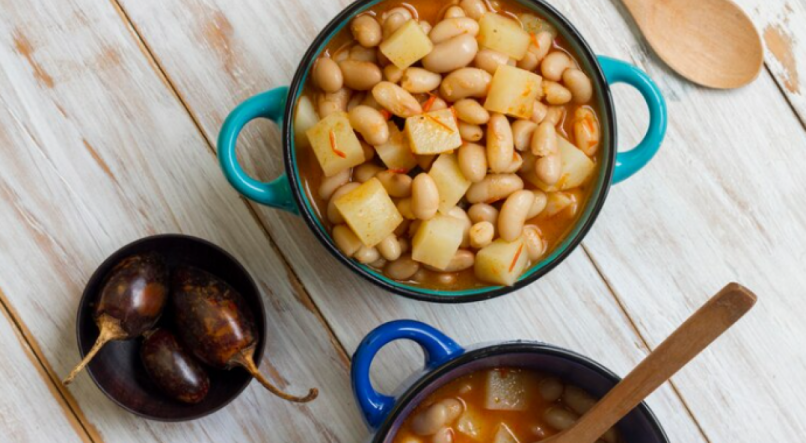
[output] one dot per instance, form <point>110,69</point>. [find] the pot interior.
<point>600,183</point>
<point>640,426</point>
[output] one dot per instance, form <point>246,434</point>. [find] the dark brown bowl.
<point>117,369</point>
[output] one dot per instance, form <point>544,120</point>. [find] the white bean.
<point>550,389</point>
<point>534,242</point>
<point>554,65</point>
<point>544,139</point>
<point>330,184</point>
<point>365,171</point>
<point>471,133</point>
<point>389,248</point>
<point>513,214</point>
<point>579,84</point>
<point>397,185</point>
<point>473,161</point>
<point>461,260</point>
<point>465,82</point>
<point>451,27</point>
<point>453,12</point>
<point>331,102</point>
<point>473,8</point>
<point>489,60</point>
<point>471,111</point>
<point>396,100</point>
<point>481,234</point>
<point>366,255</point>
<point>480,212</point>
<point>586,131</point>
<point>419,80</point>
<point>430,420</point>
<point>401,269</point>
<point>347,242</point>
<point>555,93</point>
<point>500,145</point>
<point>451,54</point>
<point>549,168</point>
<point>560,419</point>
<point>538,205</point>
<point>370,123</point>
<point>577,399</point>
<point>522,131</point>
<point>494,187</point>
<point>327,75</point>
<point>360,75</point>
<point>424,197</point>
<point>366,30</point>
<point>392,73</point>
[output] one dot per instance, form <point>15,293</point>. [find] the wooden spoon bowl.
<point>710,42</point>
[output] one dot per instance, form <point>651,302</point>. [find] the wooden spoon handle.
<point>691,338</point>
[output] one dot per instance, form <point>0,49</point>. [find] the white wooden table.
<point>109,111</point>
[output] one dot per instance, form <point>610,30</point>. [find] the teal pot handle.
<point>630,162</point>
<point>270,105</point>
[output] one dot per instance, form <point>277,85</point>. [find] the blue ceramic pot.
<point>445,361</point>
<point>286,191</point>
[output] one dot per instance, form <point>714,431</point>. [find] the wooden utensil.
<point>691,338</point>
<point>710,42</point>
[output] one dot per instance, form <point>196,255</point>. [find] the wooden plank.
<point>722,201</point>
<point>227,47</point>
<point>781,25</point>
<point>29,398</point>
<point>97,152</point>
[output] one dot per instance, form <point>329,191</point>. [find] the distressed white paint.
<point>719,203</point>
<point>782,25</point>
<point>64,209</point>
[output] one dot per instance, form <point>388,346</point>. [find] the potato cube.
<point>451,183</point>
<point>437,240</point>
<point>577,168</point>
<point>304,118</point>
<point>503,34</point>
<point>433,132</point>
<point>504,435</point>
<point>396,153</point>
<point>513,92</point>
<point>472,424</point>
<point>508,390</point>
<point>407,45</point>
<point>335,144</point>
<point>370,212</point>
<point>557,202</point>
<point>501,262</point>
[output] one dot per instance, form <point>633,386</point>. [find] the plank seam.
<point>787,98</point>
<point>65,397</point>
<point>147,51</point>
<point>641,337</point>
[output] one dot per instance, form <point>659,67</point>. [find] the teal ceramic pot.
<point>286,192</point>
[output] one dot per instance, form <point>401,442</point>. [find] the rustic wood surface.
<point>108,116</point>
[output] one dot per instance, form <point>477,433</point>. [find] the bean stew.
<point>502,405</point>
<point>448,144</point>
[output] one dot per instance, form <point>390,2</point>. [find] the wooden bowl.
<point>117,369</point>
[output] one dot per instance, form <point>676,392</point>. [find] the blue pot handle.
<point>628,163</point>
<point>270,105</point>
<point>437,347</point>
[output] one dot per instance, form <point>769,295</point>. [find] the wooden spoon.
<point>691,338</point>
<point>710,42</point>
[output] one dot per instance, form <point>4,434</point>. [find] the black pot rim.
<point>87,298</point>
<point>608,164</point>
<point>512,347</point>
